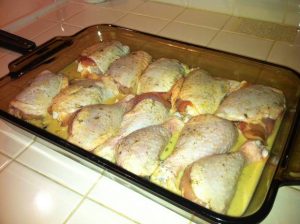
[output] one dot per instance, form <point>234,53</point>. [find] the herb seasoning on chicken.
<point>202,136</point>
<point>34,100</point>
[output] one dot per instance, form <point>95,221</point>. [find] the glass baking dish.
<point>281,168</point>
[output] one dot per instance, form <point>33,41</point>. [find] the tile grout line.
<point>46,30</point>
<point>172,20</point>
<point>138,5</point>
<point>86,197</point>
<point>81,201</point>
<point>83,196</point>
<point>25,21</point>
<point>105,206</point>
<point>86,5</point>
<point>65,21</point>
<point>48,177</point>
<point>219,31</point>
<point>126,12</point>
<point>138,191</point>
<point>60,21</point>
<point>13,159</point>
<point>70,24</point>
<point>196,25</point>
<point>111,209</point>
<point>6,166</point>
<point>6,163</point>
<point>155,17</point>
<point>270,51</point>
<point>147,16</point>
<point>23,151</point>
<point>116,21</point>
<point>3,154</point>
<point>152,17</point>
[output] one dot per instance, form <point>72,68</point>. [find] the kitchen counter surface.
<point>40,185</point>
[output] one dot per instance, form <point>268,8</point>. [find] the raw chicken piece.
<point>141,156</point>
<point>202,136</point>
<point>255,107</point>
<point>95,60</point>
<point>211,181</point>
<point>34,100</point>
<point>161,75</point>
<point>150,109</point>
<point>82,93</point>
<point>202,93</point>
<point>127,70</point>
<point>94,124</point>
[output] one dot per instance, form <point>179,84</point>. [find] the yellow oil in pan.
<point>51,125</point>
<point>71,71</point>
<point>248,179</point>
<point>170,146</point>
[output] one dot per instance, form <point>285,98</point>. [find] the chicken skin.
<point>202,135</point>
<point>161,75</point>
<point>149,109</point>
<point>94,124</point>
<point>95,60</point>
<point>255,108</point>
<point>34,101</point>
<point>211,181</point>
<point>82,93</point>
<point>202,93</point>
<point>127,70</point>
<point>141,157</point>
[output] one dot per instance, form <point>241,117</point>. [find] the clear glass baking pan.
<point>281,168</point>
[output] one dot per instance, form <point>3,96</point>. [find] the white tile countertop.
<point>40,185</point>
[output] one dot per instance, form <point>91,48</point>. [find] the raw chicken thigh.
<point>95,60</point>
<point>161,76</point>
<point>255,107</point>
<point>203,135</point>
<point>202,93</point>
<point>211,181</point>
<point>94,124</point>
<point>34,101</point>
<point>82,93</point>
<point>127,70</point>
<point>150,109</point>
<point>141,156</point>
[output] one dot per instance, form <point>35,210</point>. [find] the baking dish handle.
<point>290,172</point>
<point>32,56</point>
<point>15,43</point>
